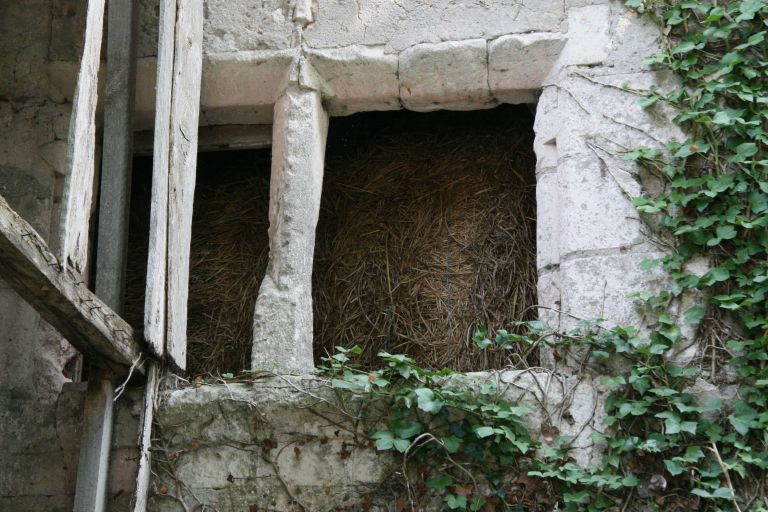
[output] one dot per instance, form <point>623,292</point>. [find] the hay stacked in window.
<point>427,226</point>
<point>228,257</point>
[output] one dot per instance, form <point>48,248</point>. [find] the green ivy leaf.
<point>384,439</point>
<point>406,429</point>
<point>482,432</point>
<point>455,501</point>
<point>477,502</point>
<point>440,481</point>
<point>721,493</point>
<point>452,444</point>
<point>674,467</point>
<point>427,401</point>
<point>401,445</point>
<point>742,417</point>
<point>693,453</point>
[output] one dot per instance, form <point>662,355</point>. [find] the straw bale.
<point>427,227</point>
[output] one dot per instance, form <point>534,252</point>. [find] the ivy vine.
<point>664,449</point>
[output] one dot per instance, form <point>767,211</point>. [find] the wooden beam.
<point>117,153</point>
<point>59,295</point>
<point>185,111</point>
<point>78,188</point>
<point>145,439</point>
<point>228,137</point>
<point>95,444</point>
<point>155,302</point>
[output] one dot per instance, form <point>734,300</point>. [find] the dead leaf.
<point>462,490</point>
<point>549,432</point>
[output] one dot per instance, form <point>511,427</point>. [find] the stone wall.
<point>35,450</point>
<point>288,443</point>
<point>40,409</point>
<point>295,62</point>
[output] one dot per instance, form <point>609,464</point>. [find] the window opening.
<point>427,225</point>
<point>228,255</point>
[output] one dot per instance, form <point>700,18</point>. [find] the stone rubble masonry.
<point>242,445</point>
<point>40,443</point>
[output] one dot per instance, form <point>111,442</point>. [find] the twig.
<point>726,473</point>
<point>121,388</point>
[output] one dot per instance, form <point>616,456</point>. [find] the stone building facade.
<point>293,64</point>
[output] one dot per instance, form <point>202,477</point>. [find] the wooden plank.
<point>59,295</point>
<point>78,188</point>
<point>145,440</point>
<point>185,110</point>
<point>117,154</point>
<point>93,466</point>
<point>155,296</point>
<point>229,137</point>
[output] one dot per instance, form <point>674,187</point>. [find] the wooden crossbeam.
<point>59,296</point>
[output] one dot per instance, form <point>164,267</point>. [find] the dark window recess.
<point>228,255</point>
<point>427,226</point>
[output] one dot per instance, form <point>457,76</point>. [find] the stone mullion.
<point>282,332</point>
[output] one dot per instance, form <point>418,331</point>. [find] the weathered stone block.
<point>588,35</point>
<point>237,85</point>
<point>56,503</point>
<point>518,64</point>
<point>399,25</point>
<point>599,286</point>
<point>357,78</point>
<point>242,25</point>
<point>282,328</point>
<point>303,443</point>
<point>26,424</point>
<point>67,29</point>
<point>595,207</point>
<point>548,211</point>
<point>39,474</point>
<point>451,75</point>
<point>633,38</point>
<point>236,88</point>
<point>548,288</point>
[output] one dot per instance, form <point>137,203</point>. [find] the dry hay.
<point>427,226</point>
<point>228,258</point>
